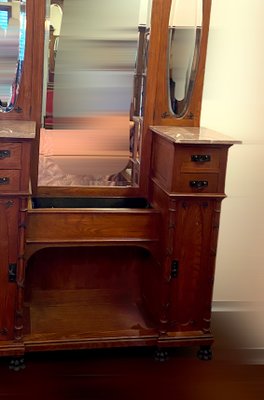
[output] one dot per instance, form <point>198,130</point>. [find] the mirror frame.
<point>18,63</point>
<point>26,106</point>
<point>191,117</point>
<point>156,111</point>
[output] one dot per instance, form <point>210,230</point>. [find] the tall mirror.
<point>12,50</point>
<point>185,28</point>
<point>92,90</point>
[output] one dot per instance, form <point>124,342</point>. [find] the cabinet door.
<point>196,229</point>
<point>9,209</point>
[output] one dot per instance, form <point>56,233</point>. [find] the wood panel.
<point>8,250</point>
<point>95,225</point>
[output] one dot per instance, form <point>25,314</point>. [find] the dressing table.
<point>128,264</point>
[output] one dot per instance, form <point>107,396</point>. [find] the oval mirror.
<point>12,50</point>
<point>185,29</point>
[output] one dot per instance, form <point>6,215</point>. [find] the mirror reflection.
<point>12,49</point>
<point>90,79</point>
<point>185,29</point>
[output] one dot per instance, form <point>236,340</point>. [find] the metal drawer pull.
<point>198,184</point>
<point>201,158</point>
<point>4,154</point>
<point>4,181</point>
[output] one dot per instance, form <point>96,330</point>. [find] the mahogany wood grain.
<point>56,226</point>
<point>8,250</point>
<point>173,168</point>
<point>13,160</point>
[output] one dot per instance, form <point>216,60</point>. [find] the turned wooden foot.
<point>161,355</point>
<point>17,364</point>
<point>205,353</point>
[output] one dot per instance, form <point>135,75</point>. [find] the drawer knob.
<point>198,184</point>
<point>4,154</point>
<point>4,180</point>
<point>200,158</point>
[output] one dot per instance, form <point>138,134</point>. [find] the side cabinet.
<point>14,191</point>
<point>187,184</point>
<point>9,208</point>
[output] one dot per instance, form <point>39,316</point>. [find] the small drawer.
<point>197,183</point>
<point>10,155</point>
<point>198,159</point>
<point>9,180</point>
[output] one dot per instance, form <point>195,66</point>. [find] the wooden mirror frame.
<point>156,103</point>
<point>23,107</point>
<point>163,115</point>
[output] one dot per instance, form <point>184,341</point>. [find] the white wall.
<point>233,103</point>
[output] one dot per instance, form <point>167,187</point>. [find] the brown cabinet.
<point>187,185</point>
<point>9,209</point>
<point>139,272</point>
<point>14,191</point>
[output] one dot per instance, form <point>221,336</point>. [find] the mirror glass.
<point>91,58</point>
<point>185,28</point>
<point>12,50</point>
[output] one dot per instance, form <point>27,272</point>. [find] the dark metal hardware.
<point>12,273</point>
<point>4,331</point>
<point>174,268</point>
<point>4,154</point>
<point>190,115</point>
<point>201,158</point>
<point>4,180</point>
<point>19,110</point>
<point>198,184</point>
<point>9,203</point>
<point>165,115</point>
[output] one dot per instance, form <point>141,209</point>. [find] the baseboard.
<point>240,325</point>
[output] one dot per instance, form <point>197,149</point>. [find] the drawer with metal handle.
<point>10,155</point>
<point>200,183</point>
<point>9,180</point>
<point>198,159</point>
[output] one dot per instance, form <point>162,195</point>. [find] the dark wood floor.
<point>134,374</point>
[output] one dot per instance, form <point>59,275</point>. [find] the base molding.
<point>240,326</point>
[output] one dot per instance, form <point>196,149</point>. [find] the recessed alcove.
<point>88,293</point>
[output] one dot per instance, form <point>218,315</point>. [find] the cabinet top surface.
<point>193,135</point>
<point>17,129</point>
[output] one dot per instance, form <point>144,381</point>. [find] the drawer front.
<point>198,159</point>
<point>9,180</point>
<point>197,183</point>
<point>10,155</point>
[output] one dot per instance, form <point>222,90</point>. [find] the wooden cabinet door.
<point>191,285</point>
<point>9,209</point>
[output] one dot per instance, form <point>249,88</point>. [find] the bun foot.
<point>17,364</point>
<point>161,355</point>
<point>205,353</point>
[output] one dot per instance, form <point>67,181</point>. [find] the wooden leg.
<point>161,355</point>
<point>17,364</point>
<point>205,353</point>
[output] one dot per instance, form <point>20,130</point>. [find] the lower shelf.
<point>93,318</point>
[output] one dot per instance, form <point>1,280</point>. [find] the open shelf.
<point>90,298</point>
<point>92,317</point>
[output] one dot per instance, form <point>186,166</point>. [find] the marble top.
<point>17,129</point>
<point>193,135</point>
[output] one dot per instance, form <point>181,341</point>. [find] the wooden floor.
<point>134,374</point>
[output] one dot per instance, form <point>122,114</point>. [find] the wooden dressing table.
<point>123,272</point>
<point>96,267</point>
